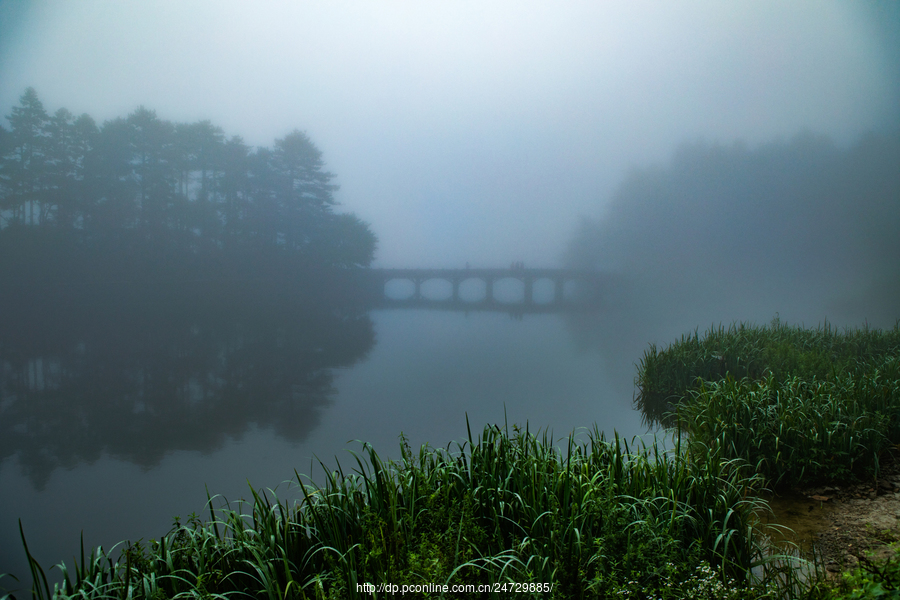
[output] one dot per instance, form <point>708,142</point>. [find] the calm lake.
<point>115,421</point>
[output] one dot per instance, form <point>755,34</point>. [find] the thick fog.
<point>472,132</point>
<point>711,161</point>
<point>801,229</point>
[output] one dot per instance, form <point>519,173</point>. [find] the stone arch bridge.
<point>572,289</point>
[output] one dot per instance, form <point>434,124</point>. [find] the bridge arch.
<point>511,289</point>
<point>460,287</point>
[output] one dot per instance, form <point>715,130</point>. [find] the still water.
<point>119,425</point>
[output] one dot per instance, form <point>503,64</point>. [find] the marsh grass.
<point>597,519</point>
<point>796,405</point>
<point>666,376</point>
<point>4,594</point>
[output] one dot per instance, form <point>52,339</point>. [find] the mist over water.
<point>710,163</point>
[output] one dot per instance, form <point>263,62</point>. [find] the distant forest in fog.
<point>799,225</point>
<point>147,187</point>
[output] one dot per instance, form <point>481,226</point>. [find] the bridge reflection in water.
<point>573,290</point>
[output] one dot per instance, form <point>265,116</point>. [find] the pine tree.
<point>304,189</point>
<point>24,161</point>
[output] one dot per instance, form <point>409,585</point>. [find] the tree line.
<point>801,228</point>
<point>182,188</point>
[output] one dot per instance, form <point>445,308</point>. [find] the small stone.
<point>819,498</point>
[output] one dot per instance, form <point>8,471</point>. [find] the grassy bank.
<point>797,406</point>
<point>597,519</point>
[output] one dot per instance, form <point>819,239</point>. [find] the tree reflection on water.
<point>138,370</point>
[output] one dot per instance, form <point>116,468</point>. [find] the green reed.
<point>595,518</point>
<point>797,405</point>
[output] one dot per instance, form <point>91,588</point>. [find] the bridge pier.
<point>455,277</point>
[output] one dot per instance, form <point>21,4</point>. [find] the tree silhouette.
<point>143,186</point>
<point>24,160</point>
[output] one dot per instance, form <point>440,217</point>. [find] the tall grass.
<point>596,519</point>
<point>797,405</point>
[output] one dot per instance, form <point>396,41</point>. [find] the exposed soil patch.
<point>841,523</point>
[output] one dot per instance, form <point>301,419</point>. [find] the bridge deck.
<point>482,273</point>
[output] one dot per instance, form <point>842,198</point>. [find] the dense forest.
<point>144,187</point>
<point>804,227</point>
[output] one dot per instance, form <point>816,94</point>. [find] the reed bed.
<point>596,519</point>
<point>796,405</point>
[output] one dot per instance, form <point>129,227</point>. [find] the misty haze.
<point>239,242</point>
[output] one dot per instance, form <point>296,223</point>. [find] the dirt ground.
<point>841,523</point>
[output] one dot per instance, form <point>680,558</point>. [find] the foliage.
<point>872,579</point>
<point>795,404</point>
<point>596,519</point>
<point>666,376</point>
<point>144,186</point>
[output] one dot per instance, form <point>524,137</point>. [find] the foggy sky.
<point>468,131</point>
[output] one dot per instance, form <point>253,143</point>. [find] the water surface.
<point>137,427</point>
